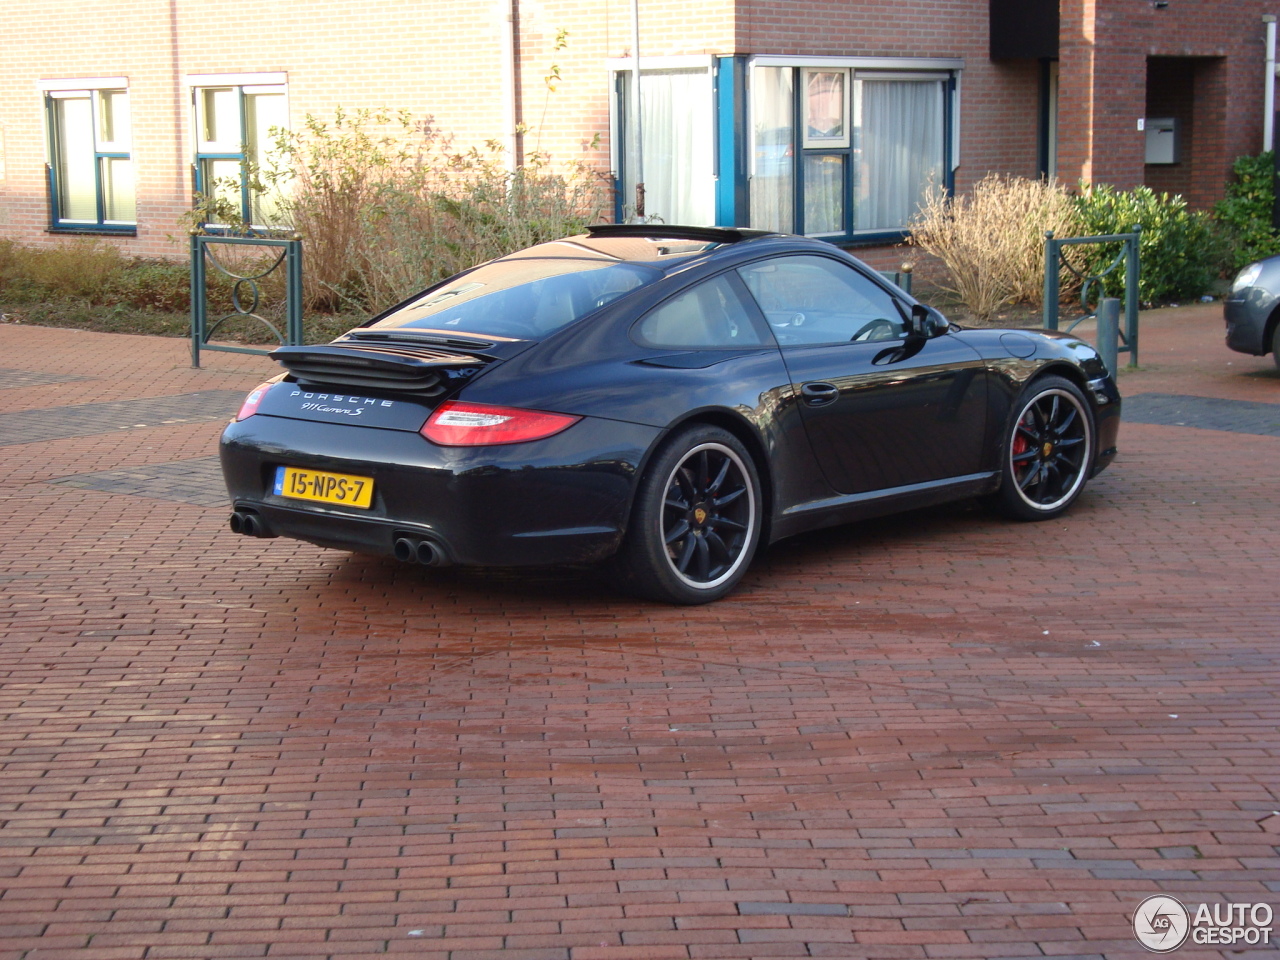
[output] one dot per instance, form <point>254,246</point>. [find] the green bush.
<point>79,269</point>
<point>1245,212</point>
<point>156,285</point>
<point>1181,250</point>
<point>88,272</point>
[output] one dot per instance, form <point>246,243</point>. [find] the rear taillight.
<point>457,424</point>
<point>251,402</point>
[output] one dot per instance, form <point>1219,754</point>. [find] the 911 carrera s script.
<point>324,408</point>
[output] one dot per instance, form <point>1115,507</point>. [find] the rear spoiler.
<point>397,368</point>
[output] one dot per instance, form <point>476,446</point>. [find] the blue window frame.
<point>236,127</point>
<point>846,152</point>
<point>90,169</point>
<point>676,135</point>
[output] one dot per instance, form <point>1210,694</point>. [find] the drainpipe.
<point>511,86</point>
<point>638,124</point>
<point>1269,87</point>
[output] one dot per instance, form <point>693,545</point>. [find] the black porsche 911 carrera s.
<point>661,398</point>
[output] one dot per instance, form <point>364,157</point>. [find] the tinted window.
<point>525,298</point>
<point>708,315</point>
<point>819,300</point>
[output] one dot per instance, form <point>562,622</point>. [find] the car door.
<point>881,410</point>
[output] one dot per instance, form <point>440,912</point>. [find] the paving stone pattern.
<point>86,419</point>
<point>11,379</point>
<point>932,736</point>
<point>197,481</point>
<point>1206,413</point>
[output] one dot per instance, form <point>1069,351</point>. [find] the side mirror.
<point>927,322</point>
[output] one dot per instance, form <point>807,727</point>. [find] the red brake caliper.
<point>1020,446</point>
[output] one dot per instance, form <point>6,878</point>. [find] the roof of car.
<point>675,231</point>
<point>658,244</point>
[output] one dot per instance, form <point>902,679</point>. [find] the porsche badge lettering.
<point>319,403</point>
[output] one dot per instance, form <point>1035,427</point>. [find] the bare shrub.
<point>386,206</point>
<point>991,240</point>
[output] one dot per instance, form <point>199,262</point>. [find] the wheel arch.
<point>1066,375</point>
<point>1067,371</point>
<point>745,432</point>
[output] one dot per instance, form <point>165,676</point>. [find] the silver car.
<point>1252,310</point>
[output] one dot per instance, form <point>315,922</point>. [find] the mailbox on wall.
<point>1162,139</point>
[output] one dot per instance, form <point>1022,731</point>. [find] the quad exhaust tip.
<point>409,550</point>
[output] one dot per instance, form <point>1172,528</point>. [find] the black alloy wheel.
<point>697,519</point>
<point>1048,451</point>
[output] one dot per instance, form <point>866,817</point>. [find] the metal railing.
<point>1054,261</point>
<point>901,277</point>
<point>246,293</point>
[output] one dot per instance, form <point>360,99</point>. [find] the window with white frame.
<point>238,119</point>
<point>91,184</point>
<point>846,148</point>
<point>672,148</point>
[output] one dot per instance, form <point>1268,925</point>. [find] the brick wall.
<point>446,61</point>
<point>1106,46</point>
<point>999,100</point>
<point>1171,85</point>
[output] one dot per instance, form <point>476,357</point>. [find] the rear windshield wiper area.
<point>433,337</point>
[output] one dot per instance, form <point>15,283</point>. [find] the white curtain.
<point>77,190</point>
<point>676,118</point>
<point>220,120</point>
<point>898,128</point>
<point>773,148</point>
<point>118,202</point>
<point>263,111</point>
<point>824,194</point>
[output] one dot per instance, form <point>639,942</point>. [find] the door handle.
<point>819,394</point>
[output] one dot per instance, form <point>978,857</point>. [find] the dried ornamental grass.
<point>991,240</point>
<point>386,205</point>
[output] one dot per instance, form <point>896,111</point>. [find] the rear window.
<point>525,299</point>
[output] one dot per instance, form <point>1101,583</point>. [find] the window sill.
<point>96,229</point>
<point>878,239</point>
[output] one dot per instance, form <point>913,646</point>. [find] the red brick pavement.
<point>939,735</point>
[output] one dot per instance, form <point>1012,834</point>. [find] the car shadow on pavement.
<point>774,567</point>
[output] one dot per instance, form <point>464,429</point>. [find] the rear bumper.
<point>565,499</point>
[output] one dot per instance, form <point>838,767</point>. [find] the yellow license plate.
<point>322,487</point>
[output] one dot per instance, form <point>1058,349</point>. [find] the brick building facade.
<point>826,117</point>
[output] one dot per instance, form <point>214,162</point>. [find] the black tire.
<point>697,519</point>
<point>1048,450</point>
<point>1275,345</point>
